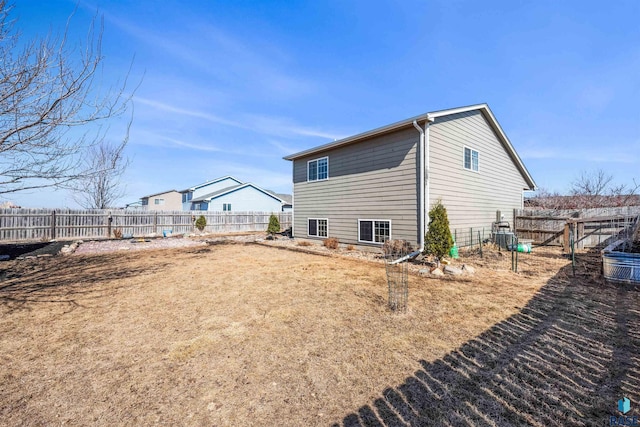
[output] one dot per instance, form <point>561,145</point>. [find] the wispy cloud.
<point>186,112</point>
<point>268,125</point>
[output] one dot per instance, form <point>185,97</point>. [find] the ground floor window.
<point>318,227</point>
<point>373,230</point>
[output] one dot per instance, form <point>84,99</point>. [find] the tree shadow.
<point>564,359</point>
<point>65,279</point>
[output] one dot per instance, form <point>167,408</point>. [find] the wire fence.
<point>472,237</point>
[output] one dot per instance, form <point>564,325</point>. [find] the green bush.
<point>201,223</point>
<point>274,225</point>
<point>438,240</point>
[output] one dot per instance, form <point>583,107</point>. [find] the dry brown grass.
<point>303,243</point>
<point>248,335</point>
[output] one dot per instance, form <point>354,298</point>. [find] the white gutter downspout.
<point>423,185</point>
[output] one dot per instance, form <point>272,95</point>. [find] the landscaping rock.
<point>452,270</point>
<point>467,269</point>
<point>437,272</point>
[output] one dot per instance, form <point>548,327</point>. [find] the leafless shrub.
<point>395,247</point>
<point>303,243</point>
<point>351,247</point>
<point>117,233</point>
<point>331,243</point>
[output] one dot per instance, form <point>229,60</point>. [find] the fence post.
<point>155,222</point>
<point>109,224</point>
<point>53,224</point>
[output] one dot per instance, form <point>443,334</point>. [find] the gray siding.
<point>376,179</point>
<point>472,198</point>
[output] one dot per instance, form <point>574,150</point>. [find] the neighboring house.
<point>239,198</point>
<point>134,205</point>
<point>380,184</point>
<point>205,188</point>
<point>166,201</point>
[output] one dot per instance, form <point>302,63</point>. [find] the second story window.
<point>226,207</point>
<point>470,159</point>
<point>159,201</point>
<point>318,169</point>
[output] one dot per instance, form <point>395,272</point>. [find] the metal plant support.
<point>397,268</point>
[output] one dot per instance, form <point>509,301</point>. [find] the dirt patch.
<point>31,249</point>
<point>249,335</point>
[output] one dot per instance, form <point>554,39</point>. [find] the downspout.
<point>423,185</point>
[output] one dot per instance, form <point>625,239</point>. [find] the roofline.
<point>239,187</point>
<point>484,108</point>
<point>157,194</point>
<point>213,181</point>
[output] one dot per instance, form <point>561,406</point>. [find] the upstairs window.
<point>226,207</point>
<point>159,201</point>
<point>470,159</point>
<point>186,197</point>
<point>318,169</point>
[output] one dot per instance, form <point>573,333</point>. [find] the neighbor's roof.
<point>157,194</point>
<point>213,181</point>
<point>483,108</point>
<point>224,191</point>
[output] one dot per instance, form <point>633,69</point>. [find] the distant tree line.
<point>594,189</point>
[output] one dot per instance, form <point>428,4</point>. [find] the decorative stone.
<point>437,272</point>
<point>452,270</point>
<point>468,269</point>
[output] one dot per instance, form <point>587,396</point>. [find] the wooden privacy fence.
<point>68,224</point>
<point>592,227</point>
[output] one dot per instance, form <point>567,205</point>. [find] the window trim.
<point>471,150</point>
<point>316,160</point>
<point>226,207</point>
<point>373,227</point>
<point>318,228</point>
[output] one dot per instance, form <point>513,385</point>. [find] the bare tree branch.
<point>102,188</point>
<point>47,89</point>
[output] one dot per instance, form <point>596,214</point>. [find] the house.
<point>134,205</point>
<point>230,194</point>
<point>165,201</point>
<point>380,184</point>
<point>240,198</point>
<point>204,189</point>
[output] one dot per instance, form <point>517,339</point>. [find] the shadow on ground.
<point>565,359</point>
<point>64,279</point>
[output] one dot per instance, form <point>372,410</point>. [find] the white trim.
<point>316,160</point>
<point>464,148</point>
<point>318,227</point>
<point>373,226</point>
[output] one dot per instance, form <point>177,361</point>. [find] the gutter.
<point>423,185</point>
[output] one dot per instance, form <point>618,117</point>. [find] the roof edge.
<point>484,107</point>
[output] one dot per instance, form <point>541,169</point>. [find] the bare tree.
<point>595,189</point>
<point>590,190</point>
<point>47,89</point>
<point>103,187</point>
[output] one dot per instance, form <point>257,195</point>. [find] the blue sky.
<point>232,86</point>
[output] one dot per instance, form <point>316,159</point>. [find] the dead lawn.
<point>238,334</point>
